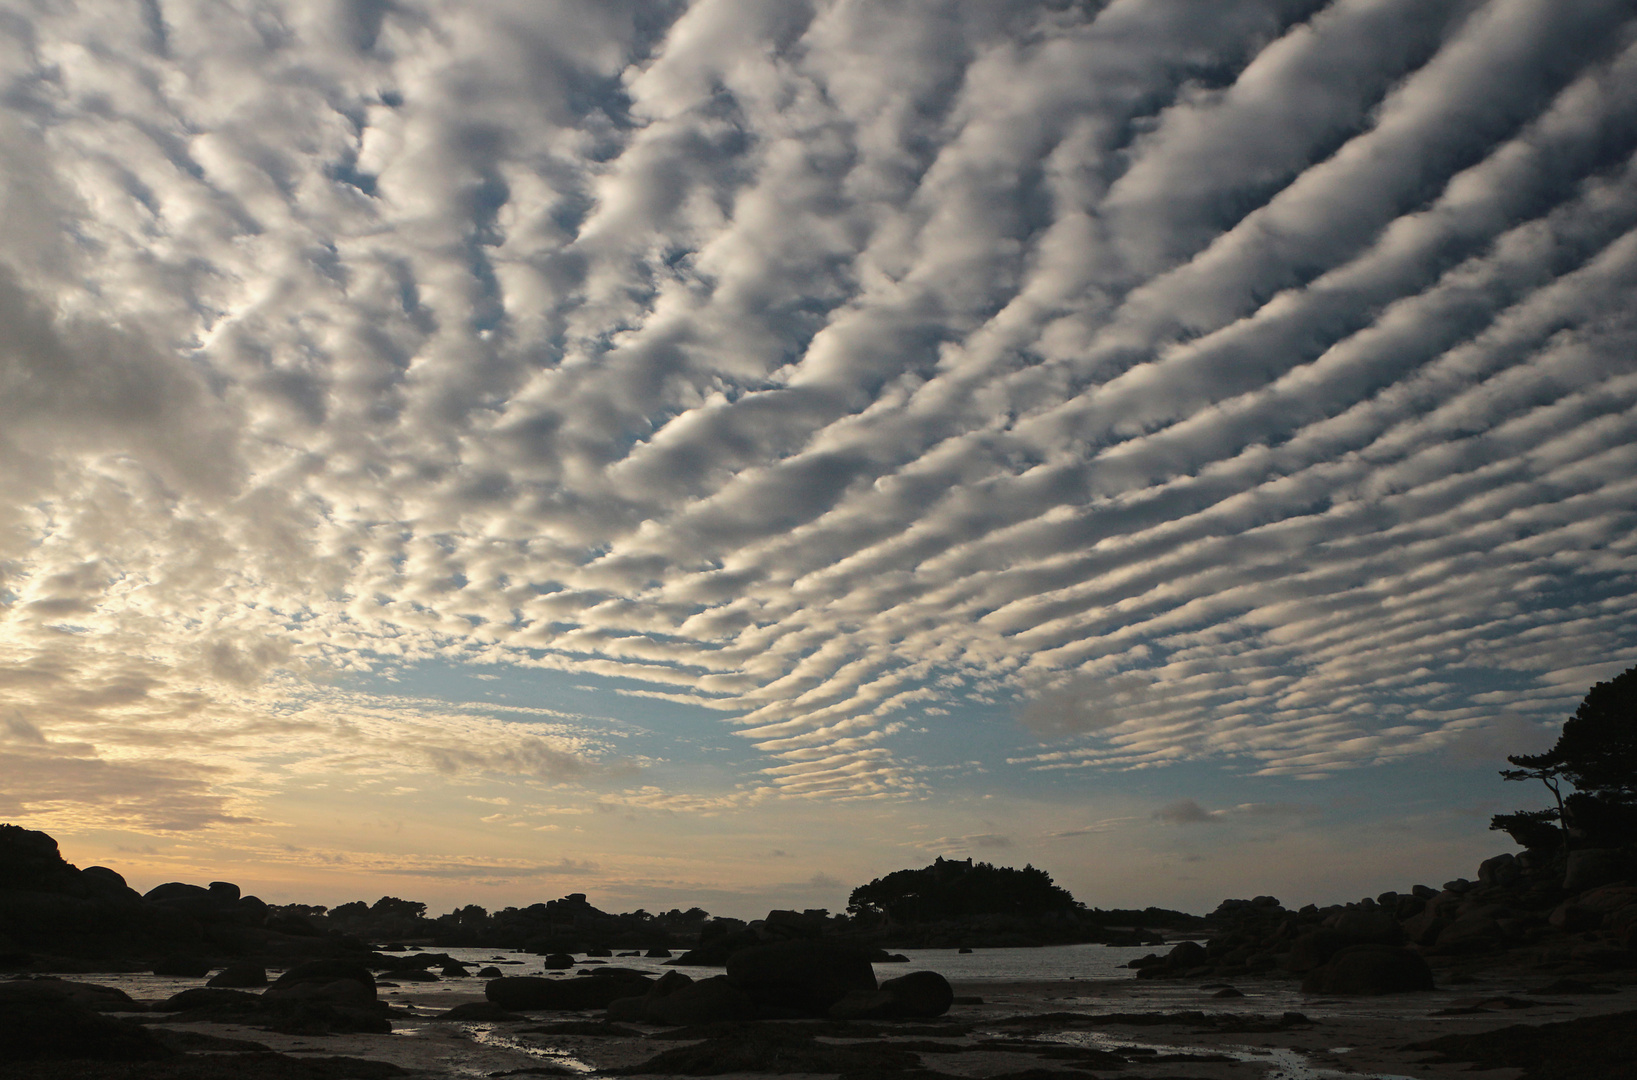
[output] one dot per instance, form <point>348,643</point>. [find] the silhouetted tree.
<point>1596,754</point>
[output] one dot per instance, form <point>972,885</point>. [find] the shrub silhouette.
<point>1596,755</point>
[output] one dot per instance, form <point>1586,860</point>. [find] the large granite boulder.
<point>31,862</point>
<point>334,982</point>
<point>40,1022</point>
<point>715,951</point>
<point>706,1001</point>
<point>1314,948</point>
<point>1475,931</point>
<point>105,884</point>
<point>216,999</point>
<point>520,993</point>
<point>1587,868</point>
<point>635,1007</point>
<point>918,995</point>
<point>1183,957</point>
<point>238,976</point>
<point>1371,926</point>
<point>800,977</point>
<point>1370,969</point>
<point>1502,871</point>
<point>101,998</point>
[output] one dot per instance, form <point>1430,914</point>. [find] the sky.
<point>719,453</point>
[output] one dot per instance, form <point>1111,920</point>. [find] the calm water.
<point>980,965</point>
<point>470,1051</point>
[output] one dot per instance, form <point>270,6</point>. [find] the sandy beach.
<point>1142,1029</point>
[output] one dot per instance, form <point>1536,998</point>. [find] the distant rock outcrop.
<point>1539,911</point>
<point>58,917</point>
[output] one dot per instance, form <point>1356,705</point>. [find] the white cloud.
<point>1268,394</point>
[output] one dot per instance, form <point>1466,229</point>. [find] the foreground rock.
<point>773,1050</point>
<point>323,997</point>
<point>1588,1048</point>
<point>1370,969</point>
<point>522,993</point>
<point>239,976</point>
<point>334,982</point>
<point>799,978</point>
<point>42,1022</point>
<point>920,995</point>
<point>1566,915</point>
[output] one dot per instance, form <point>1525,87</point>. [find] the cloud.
<point>1185,812</point>
<point>1189,812</point>
<point>1084,705</point>
<point>835,370</point>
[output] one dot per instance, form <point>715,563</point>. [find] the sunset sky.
<point>721,452</point>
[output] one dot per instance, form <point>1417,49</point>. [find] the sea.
<point>436,1050</point>
<point>1046,963</point>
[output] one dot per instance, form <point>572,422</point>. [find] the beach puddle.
<point>1281,1063</point>
<point>469,1050</point>
<point>489,1036</point>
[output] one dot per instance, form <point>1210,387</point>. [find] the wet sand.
<point>1068,1027</point>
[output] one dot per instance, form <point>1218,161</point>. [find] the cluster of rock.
<point>1566,916</point>
<point>57,917</point>
<point>51,1018</point>
<point>783,980</point>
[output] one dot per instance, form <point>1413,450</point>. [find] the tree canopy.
<point>951,889</point>
<point>1596,755</point>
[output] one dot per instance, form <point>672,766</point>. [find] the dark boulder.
<point>30,861</point>
<point>239,975</point>
<point>658,953</point>
<point>1370,926</point>
<point>1470,933</point>
<point>776,1049</point>
<point>1370,969</point>
<point>533,992</point>
<point>251,911</point>
<point>101,998</point>
<point>800,976</point>
<point>558,962</point>
<point>706,1001</point>
<point>715,952</point>
<point>635,1007</point>
<point>335,982</point>
<point>181,895</point>
<point>1314,949</point>
<point>1184,957</point>
<point>39,1023</point>
<point>212,998</point>
<point>1502,870</point>
<point>1587,868</point>
<point>918,995</point>
<point>105,884</point>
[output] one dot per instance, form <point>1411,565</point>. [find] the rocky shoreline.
<point>1136,1029</point>
<point>1529,968</point>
